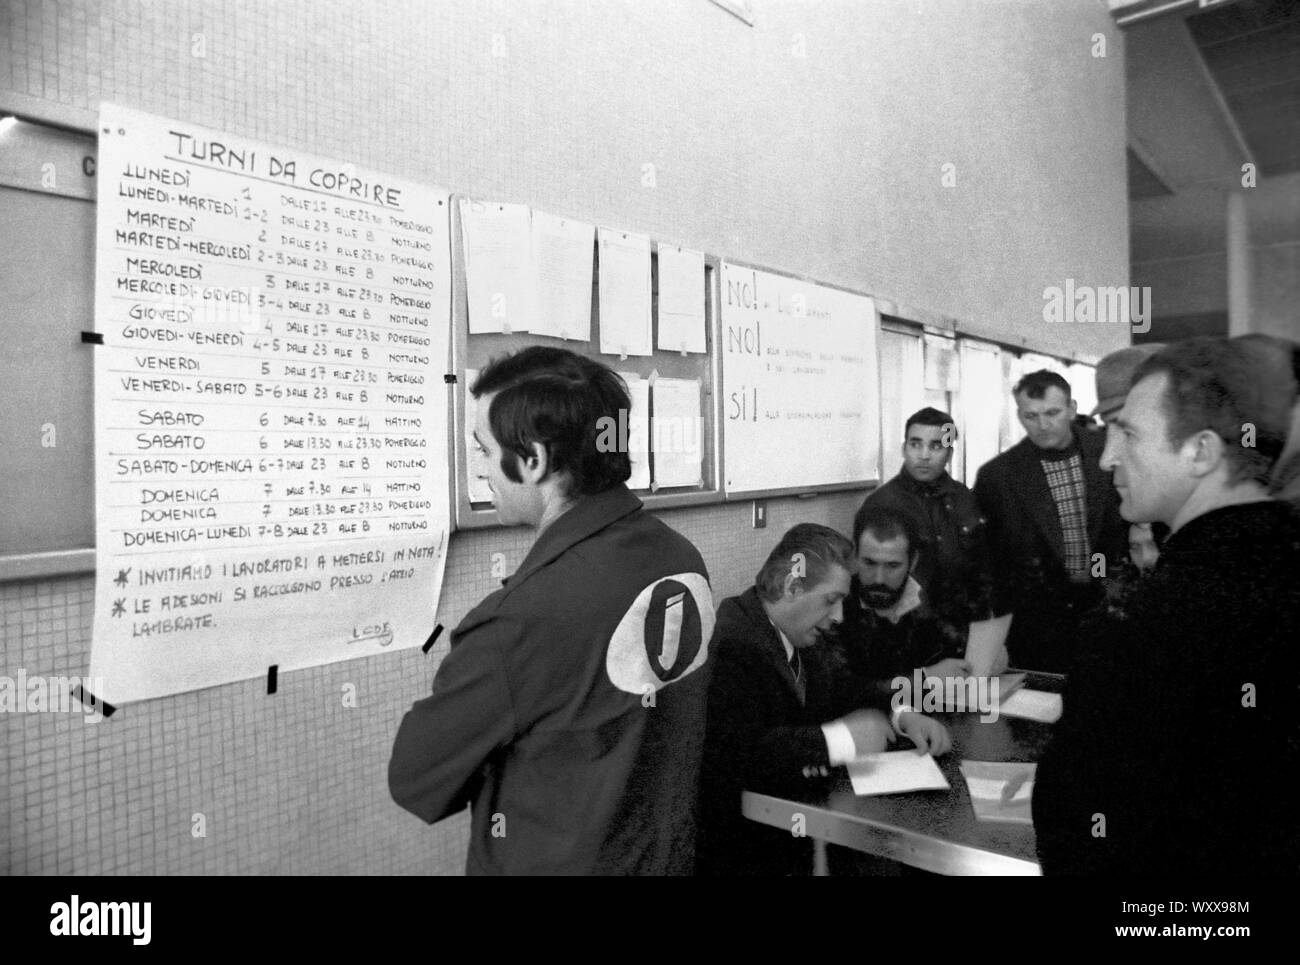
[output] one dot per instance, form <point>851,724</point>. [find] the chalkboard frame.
<point>744,495</point>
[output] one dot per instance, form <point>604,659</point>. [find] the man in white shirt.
<point>783,712</point>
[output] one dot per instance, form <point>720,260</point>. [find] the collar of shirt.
<point>789,647</point>
<point>909,601</point>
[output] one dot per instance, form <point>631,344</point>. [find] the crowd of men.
<point>598,717</point>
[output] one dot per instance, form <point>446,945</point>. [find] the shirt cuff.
<point>839,742</point>
<point>897,713</point>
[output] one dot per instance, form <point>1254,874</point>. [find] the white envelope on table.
<point>986,645</point>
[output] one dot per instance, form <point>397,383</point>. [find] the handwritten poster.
<point>801,394</point>
<point>270,412</point>
<point>563,250</point>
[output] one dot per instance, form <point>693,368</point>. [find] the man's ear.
<point>1207,452</point>
<point>791,585</point>
<point>1074,408</point>
<point>537,466</point>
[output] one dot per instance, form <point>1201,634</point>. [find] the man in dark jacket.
<point>569,713</point>
<point>1181,719</point>
<point>782,711</point>
<point>953,565</point>
<point>1054,524</point>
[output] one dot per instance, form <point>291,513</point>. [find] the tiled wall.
<point>290,783</point>
<point>811,142</point>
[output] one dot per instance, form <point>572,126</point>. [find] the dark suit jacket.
<point>759,737</point>
<point>1029,549</point>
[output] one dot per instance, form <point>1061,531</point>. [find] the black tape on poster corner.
<point>91,701</point>
<point>433,637</point>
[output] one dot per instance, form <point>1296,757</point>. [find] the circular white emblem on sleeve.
<point>663,636</point>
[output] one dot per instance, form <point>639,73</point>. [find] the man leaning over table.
<point>782,711</point>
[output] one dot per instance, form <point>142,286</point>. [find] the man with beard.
<point>890,628</point>
<point>1180,720</point>
<point>780,714</point>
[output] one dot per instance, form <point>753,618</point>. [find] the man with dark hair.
<point>1181,719</point>
<point>1054,524</point>
<point>952,563</point>
<point>781,714</point>
<point>569,713</point>
<point>888,622</point>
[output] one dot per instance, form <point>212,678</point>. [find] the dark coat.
<point>759,737</point>
<point>540,719</point>
<point>1029,575</point>
<point>1181,720</point>
<point>954,565</point>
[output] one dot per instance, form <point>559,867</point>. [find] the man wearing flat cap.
<point>1115,373</point>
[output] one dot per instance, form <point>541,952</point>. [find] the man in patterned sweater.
<point>1054,524</point>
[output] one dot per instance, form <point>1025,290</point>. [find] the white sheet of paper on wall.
<point>676,431</point>
<point>624,292</point>
<point>637,429</point>
<point>563,253</point>
<point>681,300</point>
<point>500,276</point>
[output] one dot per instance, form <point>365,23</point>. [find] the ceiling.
<point>1252,52</point>
<point>1212,86</point>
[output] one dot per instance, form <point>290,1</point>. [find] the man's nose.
<point>1110,453</point>
<point>837,614</point>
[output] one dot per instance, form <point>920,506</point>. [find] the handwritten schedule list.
<point>270,410</point>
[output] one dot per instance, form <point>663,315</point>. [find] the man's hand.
<point>949,667</point>
<point>870,729</point>
<point>929,736</point>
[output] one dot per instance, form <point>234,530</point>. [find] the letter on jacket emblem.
<point>663,636</point>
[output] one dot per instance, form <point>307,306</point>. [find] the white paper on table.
<point>500,276</point>
<point>681,300</point>
<point>1032,704</point>
<point>987,781</point>
<point>986,645</point>
<point>638,430</point>
<point>677,429</point>
<point>895,772</point>
<point>562,254</point>
<point>475,464</point>
<point>624,292</point>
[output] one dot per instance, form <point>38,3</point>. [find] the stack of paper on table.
<point>1032,704</point>
<point>1000,791</point>
<point>894,772</point>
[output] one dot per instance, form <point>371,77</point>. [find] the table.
<point>931,830</point>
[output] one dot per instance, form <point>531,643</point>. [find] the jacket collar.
<point>1252,524</point>
<point>905,604</point>
<point>937,488</point>
<point>590,515</point>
